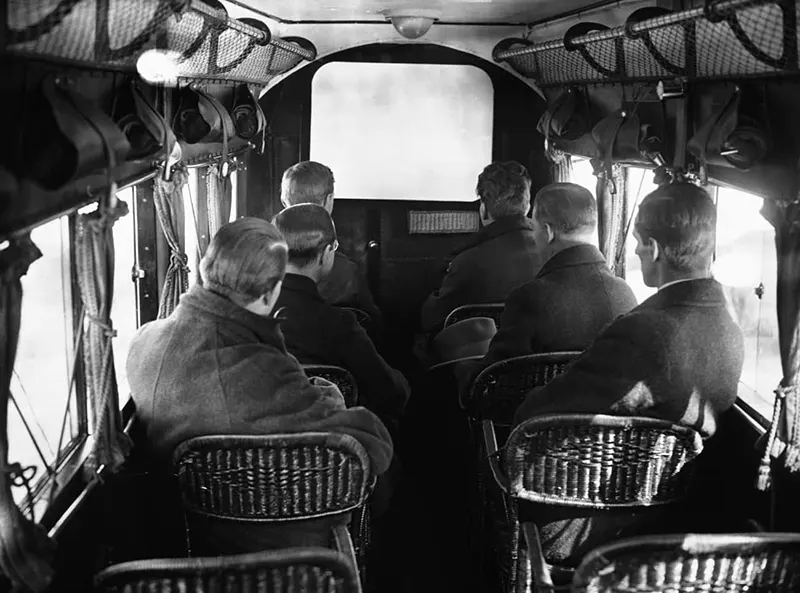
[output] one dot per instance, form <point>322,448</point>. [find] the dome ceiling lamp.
<point>412,23</point>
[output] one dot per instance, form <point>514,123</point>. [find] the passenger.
<point>218,365</point>
<point>676,357</point>
<point>574,295</point>
<point>319,333</point>
<point>309,182</point>
<point>499,257</point>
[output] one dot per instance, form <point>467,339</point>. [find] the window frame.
<point>72,454</point>
<point>758,420</point>
<point>366,199</point>
<point>73,486</point>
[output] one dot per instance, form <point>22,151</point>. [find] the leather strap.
<point>96,140</point>
<point>147,131</point>
<point>711,136</point>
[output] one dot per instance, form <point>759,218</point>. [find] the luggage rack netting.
<point>721,39</point>
<point>112,34</point>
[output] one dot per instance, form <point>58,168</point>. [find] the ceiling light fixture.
<point>412,23</point>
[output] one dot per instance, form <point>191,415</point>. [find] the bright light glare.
<point>159,66</point>
<point>402,131</point>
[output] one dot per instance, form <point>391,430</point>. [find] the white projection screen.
<point>402,131</point>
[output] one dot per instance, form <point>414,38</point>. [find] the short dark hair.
<point>567,207</point>
<point>308,230</point>
<point>505,189</point>
<point>307,182</point>
<point>682,218</point>
<point>244,261</point>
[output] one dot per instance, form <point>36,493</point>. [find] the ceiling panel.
<point>452,11</point>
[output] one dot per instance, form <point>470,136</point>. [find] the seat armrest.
<point>344,544</point>
<point>490,446</point>
<point>542,581</point>
<point>455,361</point>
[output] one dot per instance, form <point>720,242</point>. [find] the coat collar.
<point>200,299</point>
<point>301,284</point>
<point>499,227</point>
<point>702,292</point>
<point>573,256</point>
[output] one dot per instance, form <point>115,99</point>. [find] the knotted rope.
<point>168,198</point>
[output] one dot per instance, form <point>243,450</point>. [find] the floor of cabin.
<point>424,541</point>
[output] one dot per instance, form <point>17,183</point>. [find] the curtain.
<point>25,550</point>
<point>784,434</point>
<point>218,197</point>
<point>168,197</point>
<point>562,168</point>
<point>612,214</point>
<point>94,258</point>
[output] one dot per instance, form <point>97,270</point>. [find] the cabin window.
<point>40,381</point>
<point>638,183</point>
<point>746,264</point>
<point>124,309</point>
<point>402,131</point>
<point>190,226</point>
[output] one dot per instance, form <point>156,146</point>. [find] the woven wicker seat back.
<point>597,461</point>
<point>716,563</point>
<point>342,378</point>
<point>273,477</point>
<point>500,388</point>
<point>294,570</point>
<point>491,310</point>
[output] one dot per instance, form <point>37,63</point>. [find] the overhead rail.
<point>203,42</point>
<point>722,39</point>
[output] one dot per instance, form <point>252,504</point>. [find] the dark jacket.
<point>495,260</point>
<point>573,297</point>
<point>213,367</point>
<point>677,357</point>
<point>318,333</point>
<point>346,286</point>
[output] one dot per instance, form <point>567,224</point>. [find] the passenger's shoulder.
<point>641,323</point>
<point>150,331</point>
<point>343,261</point>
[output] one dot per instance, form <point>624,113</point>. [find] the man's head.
<point>308,182</point>
<point>675,233</point>
<point>504,190</point>
<point>245,263</point>
<point>564,215</point>
<point>311,236</point>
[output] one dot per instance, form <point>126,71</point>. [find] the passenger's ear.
<point>655,248</point>
<point>482,211</point>
<point>272,296</point>
<point>551,236</point>
<point>329,203</point>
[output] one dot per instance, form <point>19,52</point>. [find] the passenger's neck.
<point>563,243</point>
<point>313,272</point>
<point>666,276</point>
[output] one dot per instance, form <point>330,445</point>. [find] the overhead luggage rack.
<point>722,39</point>
<point>199,37</point>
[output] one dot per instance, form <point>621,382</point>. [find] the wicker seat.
<point>278,478</point>
<point>500,388</point>
<point>587,461</point>
<point>491,310</point>
<point>495,394</point>
<point>294,570</point>
<point>724,563</point>
<point>339,376</point>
